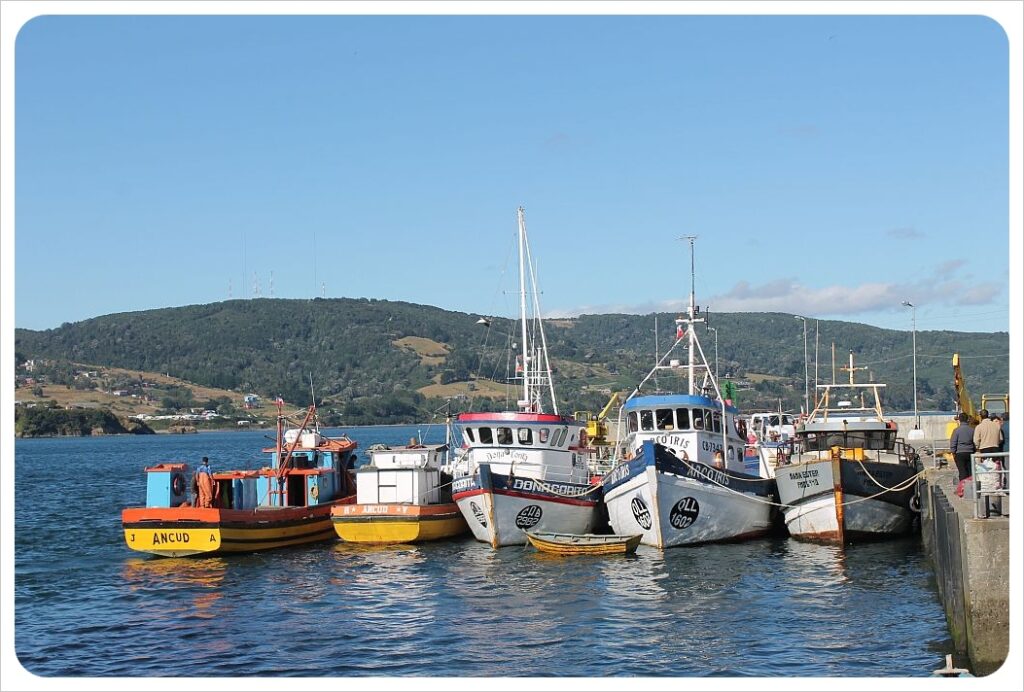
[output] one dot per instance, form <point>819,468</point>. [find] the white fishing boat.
<point>683,477</point>
<point>849,477</point>
<point>525,469</point>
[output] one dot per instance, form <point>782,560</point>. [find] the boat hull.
<point>818,508</point>
<point>584,544</point>
<point>499,508</point>
<point>188,531</point>
<point>397,523</point>
<point>674,503</point>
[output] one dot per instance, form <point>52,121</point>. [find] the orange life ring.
<point>178,484</point>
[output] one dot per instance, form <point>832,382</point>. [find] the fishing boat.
<point>286,503</point>
<point>683,477</point>
<point>583,544</point>
<point>849,477</point>
<point>525,469</point>
<point>402,496</point>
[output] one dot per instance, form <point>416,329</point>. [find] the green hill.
<point>375,361</point>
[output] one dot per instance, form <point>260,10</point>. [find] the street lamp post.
<point>913,308</point>
<point>807,396</point>
<point>713,329</point>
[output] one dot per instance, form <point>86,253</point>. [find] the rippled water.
<point>85,605</point>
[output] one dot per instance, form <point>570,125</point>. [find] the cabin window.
<point>663,419</point>
<point>542,434</point>
<point>504,436</point>
<point>716,421</point>
<point>698,419</point>
<point>525,436</point>
<point>561,437</point>
<point>683,418</point>
<point>647,420</point>
<point>468,434</point>
<point>486,437</point>
<point>631,422</point>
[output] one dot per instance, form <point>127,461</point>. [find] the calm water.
<point>88,606</point>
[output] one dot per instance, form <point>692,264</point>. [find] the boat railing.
<point>560,474</point>
<point>990,475</point>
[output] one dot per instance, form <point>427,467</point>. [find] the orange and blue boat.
<point>285,504</point>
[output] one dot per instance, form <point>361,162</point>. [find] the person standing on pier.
<point>988,436</point>
<point>961,444</point>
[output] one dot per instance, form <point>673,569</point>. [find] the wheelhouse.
<point>659,414</point>
<point>530,430</point>
<point>853,437</point>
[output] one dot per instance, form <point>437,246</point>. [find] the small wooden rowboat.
<point>584,544</point>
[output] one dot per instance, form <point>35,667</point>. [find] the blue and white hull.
<point>672,502</point>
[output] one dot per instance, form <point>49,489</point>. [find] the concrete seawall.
<point>972,568</point>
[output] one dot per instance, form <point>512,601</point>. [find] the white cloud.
<point>788,295</point>
<point>905,233</point>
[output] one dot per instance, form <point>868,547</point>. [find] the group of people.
<point>990,436</point>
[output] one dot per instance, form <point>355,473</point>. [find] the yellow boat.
<point>397,523</point>
<point>402,496</point>
<point>584,543</point>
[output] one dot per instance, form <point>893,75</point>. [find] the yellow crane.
<point>993,403</point>
<point>597,429</point>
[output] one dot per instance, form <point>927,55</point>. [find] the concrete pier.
<point>972,567</point>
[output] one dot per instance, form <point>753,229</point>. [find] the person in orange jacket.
<point>204,481</point>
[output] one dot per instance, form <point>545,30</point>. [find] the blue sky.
<point>831,166</point>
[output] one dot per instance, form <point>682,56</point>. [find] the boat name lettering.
<point>161,537</point>
<point>641,513</point>
<point>528,485</point>
<point>382,509</point>
<point>684,513</point>
<point>797,475</point>
<point>461,484</point>
<point>505,455</point>
<point>807,483</point>
<point>617,474</point>
<point>695,471</point>
<point>529,516</point>
<point>478,513</point>
<point>677,441</point>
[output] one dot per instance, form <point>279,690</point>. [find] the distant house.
<point>252,401</point>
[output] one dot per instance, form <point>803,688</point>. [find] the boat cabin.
<point>527,443</point>
<point>772,426</point>
<point>313,472</point>
<point>693,426</point>
<point>867,435</point>
<point>526,430</point>
<point>403,475</point>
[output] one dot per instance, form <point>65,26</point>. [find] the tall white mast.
<point>527,402</point>
<point>690,332</point>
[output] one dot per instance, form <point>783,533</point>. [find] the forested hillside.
<point>381,361</point>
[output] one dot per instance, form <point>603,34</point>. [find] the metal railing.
<point>991,479</point>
